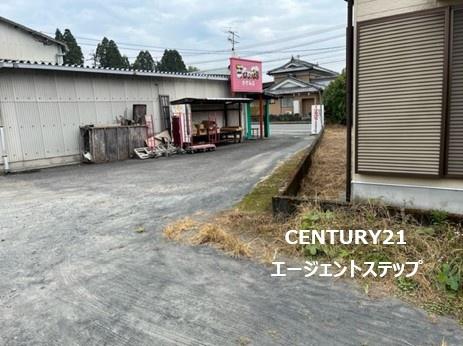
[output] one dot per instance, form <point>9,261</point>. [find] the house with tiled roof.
<point>296,86</point>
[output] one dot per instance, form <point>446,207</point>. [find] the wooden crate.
<point>111,143</point>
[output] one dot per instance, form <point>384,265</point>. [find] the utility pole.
<point>233,35</point>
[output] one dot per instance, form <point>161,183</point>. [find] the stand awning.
<point>212,100</point>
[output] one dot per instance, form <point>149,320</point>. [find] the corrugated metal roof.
<point>31,65</point>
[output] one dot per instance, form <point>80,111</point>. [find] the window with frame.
<point>286,102</point>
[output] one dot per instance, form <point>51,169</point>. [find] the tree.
<point>334,99</point>
<point>125,62</point>
<point>101,53</point>
<point>171,61</point>
<point>74,54</point>
<point>58,35</point>
<point>193,69</point>
<point>107,55</point>
<point>144,61</point>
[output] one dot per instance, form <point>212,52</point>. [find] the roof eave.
<point>14,64</point>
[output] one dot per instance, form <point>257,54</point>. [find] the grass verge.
<point>327,177</point>
<point>260,198</point>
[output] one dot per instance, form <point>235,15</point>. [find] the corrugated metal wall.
<point>399,96</point>
<point>15,44</point>
<point>455,154</point>
<point>42,110</point>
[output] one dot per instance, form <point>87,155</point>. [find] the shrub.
<point>334,99</point>
<point>285,117</point>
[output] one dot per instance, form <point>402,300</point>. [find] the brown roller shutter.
<point>400,78</point>
<point>455,131</point>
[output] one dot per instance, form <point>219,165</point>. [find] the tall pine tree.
<point>58,35</point>
<point>107,55</point>
<point>144,61</point>
<point>171,61</point>
<point>74,54</point>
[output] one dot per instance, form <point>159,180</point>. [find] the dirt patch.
<point>327,175</point>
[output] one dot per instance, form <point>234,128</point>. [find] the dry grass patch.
<point>177,229</point>
<point>212,234</point>
<point>237,233</point>
<point>327,175</point>
<point>193,232</point>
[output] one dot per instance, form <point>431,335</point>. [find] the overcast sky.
<point>269,30</point>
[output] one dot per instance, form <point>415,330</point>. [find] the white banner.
<point>318,118</point>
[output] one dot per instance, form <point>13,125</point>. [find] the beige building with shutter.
<point>407,139</point>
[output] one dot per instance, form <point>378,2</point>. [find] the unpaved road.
<point>74,271</point>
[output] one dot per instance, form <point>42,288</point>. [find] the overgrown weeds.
<point>326,178</point>
<point>189,231</point>
<point>438,282</point>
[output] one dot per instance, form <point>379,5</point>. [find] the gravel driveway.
<point>74,271</point>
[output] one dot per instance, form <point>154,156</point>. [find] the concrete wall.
<point>421,193</point>
<point>42,110</point>
<point>16,44</point>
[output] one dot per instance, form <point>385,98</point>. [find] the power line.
<point>317,51</point>
<point>207,51</point>
<point>255,52</point>
<point>294,37</point>
<point>333,48</point>
<point>278,50</point>
<point>285,58</point>
<point>141,46</point>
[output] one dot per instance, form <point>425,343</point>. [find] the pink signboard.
<point>246,75</point>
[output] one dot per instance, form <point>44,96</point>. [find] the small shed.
<point>208,120</point>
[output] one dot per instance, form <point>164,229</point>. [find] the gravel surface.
<point>75,271</point>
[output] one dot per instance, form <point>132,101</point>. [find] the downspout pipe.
<point>3,152</point>
<point>349,95</point>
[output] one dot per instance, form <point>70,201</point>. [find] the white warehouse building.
<point>42,106</point>
<point>43,103</point>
